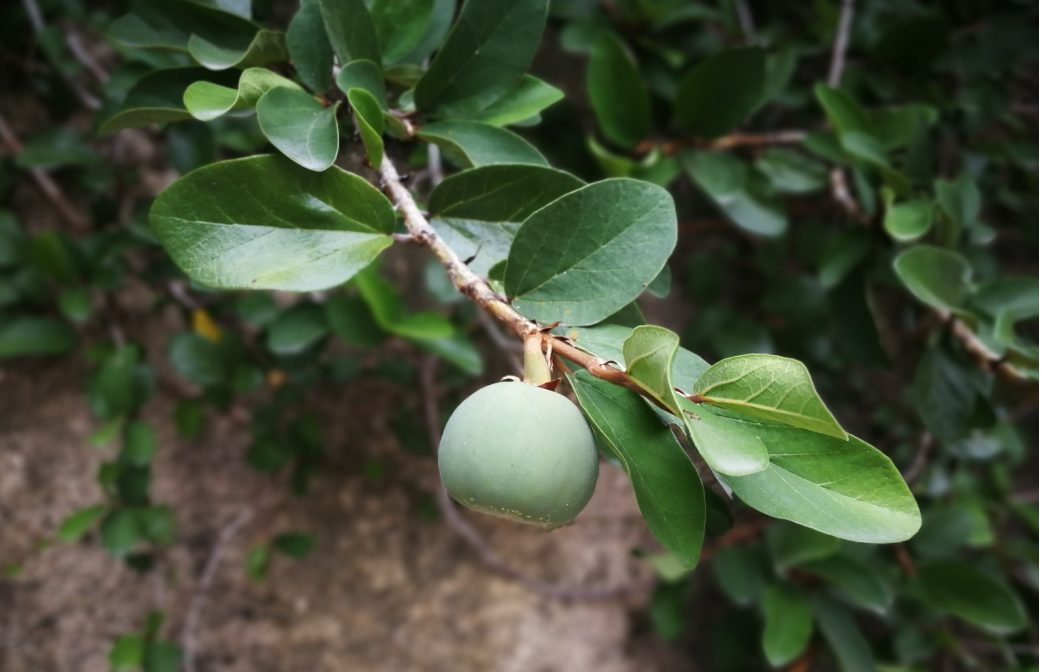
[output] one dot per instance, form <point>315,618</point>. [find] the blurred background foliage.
<point>925,151</point>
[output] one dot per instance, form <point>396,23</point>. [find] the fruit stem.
<point>537,371</point>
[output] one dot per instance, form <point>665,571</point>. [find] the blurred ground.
<point>387,587</point>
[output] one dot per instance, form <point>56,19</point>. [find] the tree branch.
<point>71,215</point>
<point>478,290</point>
<point>488,554</point>
<point>839,46</point>
<point>985,357</point>
<point>784,137</point>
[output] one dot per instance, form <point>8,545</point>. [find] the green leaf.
<point>119,532</point>
<point>350,318</point>
<point>297,329</point>
<point>127,653</point>
<point>487,52</point>
<point>794,544</point>
<point>121,384</point>
<point>741,573</point>
<point>257,308</point>
<point>80,522</point>
<point>844,114</point>
<point>257,561</point>
<point>400,25</point>
<point>769,387</point>
<point>477,212</point>
<point>363,75</point>
<point>300,127</point>
<point>853,581</point>
<point>854,322</point>
<point>189,418</point>
<point>475,144</point>
<point>744,196</point>
<point>844,488</point>
<point>621,232</point>
<point>650,352</point>
<point>267,46</point>
<point>206,101</point>
<point>29,336</point>
<point>156,524</point>
<point>162,656</point>
<point>266,223</point>
<point>370,121</point>
<point>843,635</point>
<point>960,200</point>
<point>139,443</point>
<point>721,92</point>
<point>792,172</point>
<point>456,349</point>
<point>843,256</point>
<point>158,98</point>
<point>56,148</point>
<point>309,46</point>
<point>788,626</point>
<point>937,277</point>
<point>668,488</point>
<point>962,590</point>
<point>350,30</point>
<point>946,394</point>
<point>617,92</point>
<point>197,359</point>
<point>908,221</point>
<point>294,544</point>
<point>530,97</point>
<point>170,25</point>
<point>389,310</point>
<point>76,304</point>
<point>1017,296</point>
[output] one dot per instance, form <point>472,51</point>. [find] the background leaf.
<point>743,196</point>
<point>158,97</point>
<point>721,92</point>
<point>309,46</point>
<point>400,25</point>
<point>964,591</point>
<point>350,30</point>
<point>939,278</point>
<point>617,92</point>
<point>788,624</point>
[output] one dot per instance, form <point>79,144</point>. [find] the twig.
<point>784,137</point>
<point>986,359</point>
<point>435,170</point>
<point>195,609</point>
<point>36,20</point>
<point>80,53</point>
<point>926,444</point>
<point>841,194</point>
<point>745,20</point>
<point>839,46</point>
<point>488,555</point>
<point>478,290</point>
<point>48,186</point>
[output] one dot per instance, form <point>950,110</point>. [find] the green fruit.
<point>520,452</point>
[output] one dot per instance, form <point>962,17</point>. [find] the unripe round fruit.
<point>521,452</point>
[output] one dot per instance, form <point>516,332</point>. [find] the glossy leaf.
<point>727,451</point>
<point>400,25</point>
<point>158,98</point>
<point>788,625</point>
<point>937,277</point>
<point>309,46</point>
<point>621,232</point>
<point>484,56</point>
<point>170,25</point>
<point>350,30</point>
<point>300,127</point>
<point>908,221</point>
<point>769,387</point>
<point>363,75</point>
<point>206,101</point>
<point>667,486</point>
<point>721,92</point>
<point>530,97</point>
<point>442,13</point>
<point>846,489</point>
<point>370,121</point>
<point>617,92</point>
<point>29,336</point>
<point>259,231</point>
<point>475,144</point>
<point>742,195</point>
<point>267,46</point>
<point>960,589</point>
<point>478,211</point>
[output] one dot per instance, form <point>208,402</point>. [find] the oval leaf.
<point>486,53</point>
<point>590,252</point>
<point>363,75</point>
<point>939,278</point>
<point>617,92</point>
<point>475,144</point>
<point>300,127</point>
<point>206,101</point>
<point>309,46</point>
<point>265,223</point>
<point>530,97</point>
<point>370,121</point>
<point>769,387</point>
<point>788,624</point>
<point>158,98</point>
<point>908,221</point>
<point>960,589</point>
<point>350,30</point>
